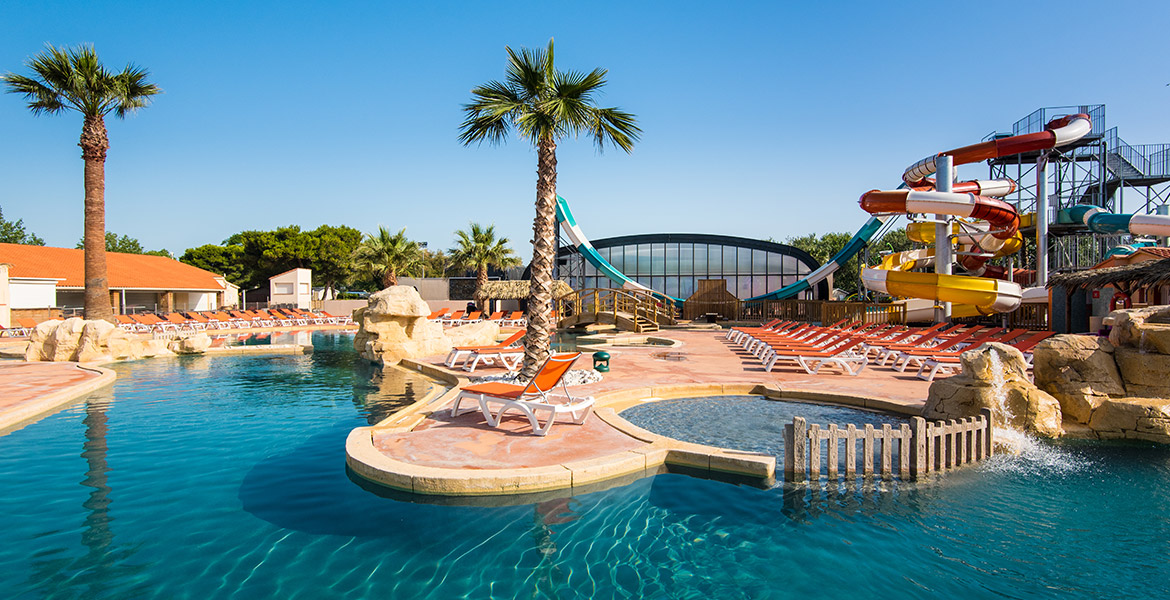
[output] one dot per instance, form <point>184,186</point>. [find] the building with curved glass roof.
<point>671,263</point>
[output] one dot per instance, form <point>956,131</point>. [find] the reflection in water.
<point>548,572</point>
<point>387,390</point>
<point>300,338</point>
<point>103,563</point>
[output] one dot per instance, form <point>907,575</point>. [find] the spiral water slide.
<point>589,253</point>
<point>989,226</point>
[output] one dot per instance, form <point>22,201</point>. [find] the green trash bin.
<point>601,361</point>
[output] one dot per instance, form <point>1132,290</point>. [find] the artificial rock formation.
<point>995,376</point>
<point>1120,387</point>
<point>197,343</point>
<point>394,326</point>
<point>77,339</point>
<point>1079,371</point>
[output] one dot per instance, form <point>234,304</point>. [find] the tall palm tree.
<point>543,105</point>
<point>479,249</point>
<point>387,255</point>
<point>73,79</point>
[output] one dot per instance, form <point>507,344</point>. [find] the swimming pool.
<point>224,477</point>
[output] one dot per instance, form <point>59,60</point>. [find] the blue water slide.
<point>589,253</point>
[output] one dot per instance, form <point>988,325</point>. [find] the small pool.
<point>751,423</point>
<point>224,477</point>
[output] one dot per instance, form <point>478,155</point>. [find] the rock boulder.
<point>1144,329</point>
<point>196,343</point>
<point>994,376</point>
<point>394,326</point>
<point>76,339</point>
<point>1079,371</point>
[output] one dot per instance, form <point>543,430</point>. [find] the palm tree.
<point>543,105</point>
<point>388,255</point>
<point>73,79</point>
<point>479,249</point>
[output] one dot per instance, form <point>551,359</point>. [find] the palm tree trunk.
<point>537,342</point>
<point>94,144</point>
<point>480,281</point>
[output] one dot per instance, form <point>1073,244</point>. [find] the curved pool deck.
<point>423,450</point>
<point>33,389</point>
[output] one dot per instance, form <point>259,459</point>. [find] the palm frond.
<point>75,78</point>
<point>616,127</point>
<point>41,98</point>
<point>526,72</point>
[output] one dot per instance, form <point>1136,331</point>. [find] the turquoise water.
<point>225,478</point>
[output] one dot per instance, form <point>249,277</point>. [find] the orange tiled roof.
<point>1158,251</point>
<point>126,271</point>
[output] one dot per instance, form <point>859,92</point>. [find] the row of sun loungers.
<point>21,327</point>
<point>459,317</point>
<point>851,346</point>
<point>231,319</point>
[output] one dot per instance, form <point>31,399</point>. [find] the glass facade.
<point>672,263</point>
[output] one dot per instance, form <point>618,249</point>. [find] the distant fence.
<point>819,311</point>
<point>921,448</point>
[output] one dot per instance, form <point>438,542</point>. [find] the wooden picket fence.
<point>922,448</point>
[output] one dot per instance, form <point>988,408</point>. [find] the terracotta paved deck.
<point>436,441</point>
<point>29,389</point>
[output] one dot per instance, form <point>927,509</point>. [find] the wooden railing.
<point>1030,316</point>
<point>922,448</point>
<point>820,311</point>
<point>632,303</point>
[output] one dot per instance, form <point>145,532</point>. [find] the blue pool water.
<point>224,477</point>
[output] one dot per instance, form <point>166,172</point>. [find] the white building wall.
<point>293,287</point>
<point>5,298</point>
<point>32,293</point>
<point>198,301</point>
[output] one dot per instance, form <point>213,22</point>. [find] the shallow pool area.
<point>224,477</point>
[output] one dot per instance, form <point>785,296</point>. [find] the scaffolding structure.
<point>1100,169</point>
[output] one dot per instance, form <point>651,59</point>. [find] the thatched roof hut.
<point>1125,278</point>
<point>518,289</point>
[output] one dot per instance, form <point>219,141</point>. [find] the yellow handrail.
<point>636,303</point>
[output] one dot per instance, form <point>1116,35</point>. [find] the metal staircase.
<point>1101,170</point>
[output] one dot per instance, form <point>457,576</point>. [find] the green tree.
<point>73,79</point>
<point>126,245</point>
<point>332,262</point>
<point>386,256</point>
<point>478,249</point>
<point>115,243</point>
<point>12,232</point>
<point>825,247</point>
<point>268,253</point>
<point>543,105</point>
<point>224,260</point>
<point>435,263</point>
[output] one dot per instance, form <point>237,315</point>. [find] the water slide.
<point>989,227</point>
<point>589,253</point>
<point>1099,221</point>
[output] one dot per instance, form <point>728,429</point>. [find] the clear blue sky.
<point>760,119</point>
